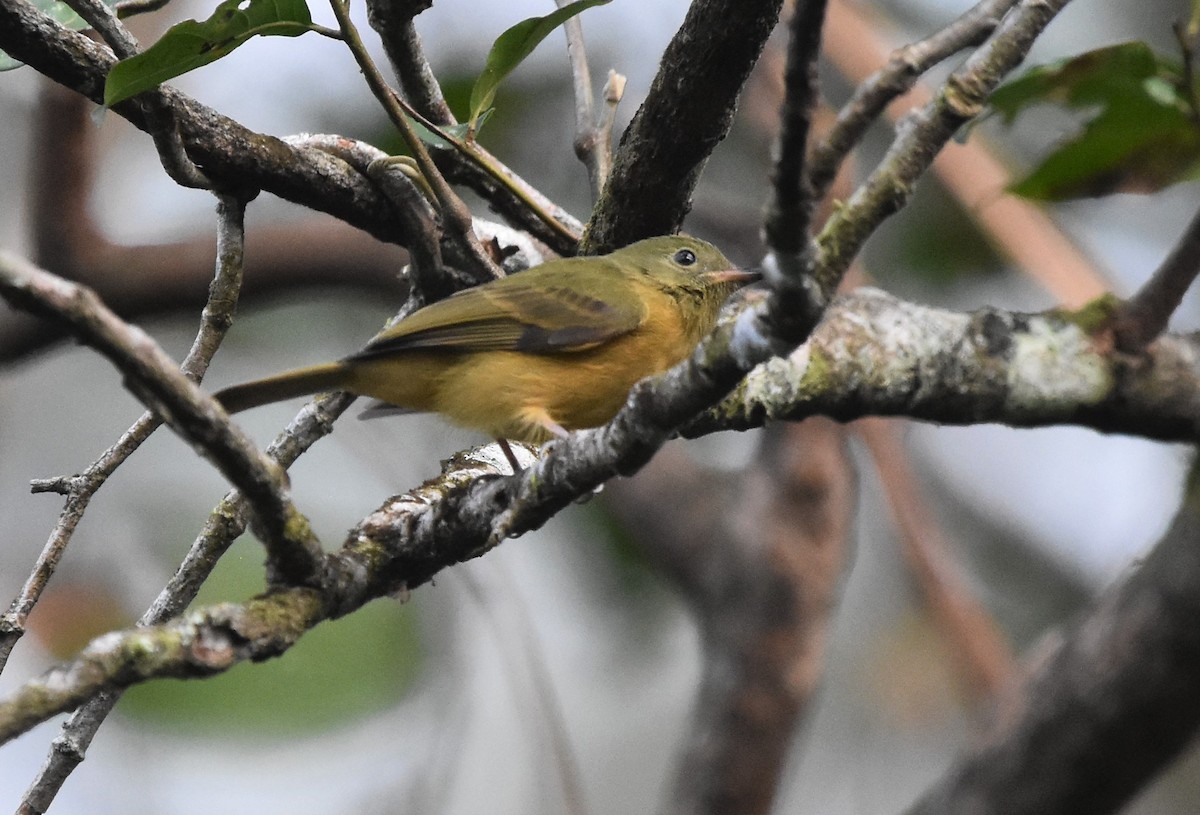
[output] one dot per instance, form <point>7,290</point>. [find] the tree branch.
<point>797,298</point>
<point>758,556</point>
<point>215,321</point>
<point>686,114</point>
<point>875,355</point>
<point>972,174</point>
<point>200,644</point>
<point>294,554</point>
<point>393,22</point>
<point>229,154</point>
<point>1112,702</point>
<point>225,524</point>
<point>924,133</point>
<point>792,202</point>
<point>1145,315</point>
<point>904,68</point>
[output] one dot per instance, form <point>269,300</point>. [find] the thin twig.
<point>164,129</point>
<point>797,301</point>
<point>514,197</point>
<point>225,524</point>
<point>1188,36</point>
<point>587,135</point>
<point>294,554</point>
<point>519,646</point>
<point>131,8</point>
<point>687,112</point>
<point>904,68</point>
<point>1144,316</point>
<point>394,24</point>
<point>215,321</point>
<point>924,134</point>
<point>1018,228</point>
<point>614,90</point>
<point>104,21</point>
<point>455,215</point>
<point>792,203</point>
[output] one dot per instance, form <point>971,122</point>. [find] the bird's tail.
<point>300,382</point>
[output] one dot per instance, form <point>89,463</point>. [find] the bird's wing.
<point>530,312</point>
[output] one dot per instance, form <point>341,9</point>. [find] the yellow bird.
<point>536,354</point>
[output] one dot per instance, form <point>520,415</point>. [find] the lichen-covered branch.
<point>200,644</point>
<point>876,355</point>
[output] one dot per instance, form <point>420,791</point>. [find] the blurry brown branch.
<point>758,556</point>
<point>985,660</point>
<point>687,112</point>
<point>1144,316</point>
<point>1109,704</point>
<point>150,280</point>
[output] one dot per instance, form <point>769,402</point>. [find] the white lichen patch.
<point>1054,365</point>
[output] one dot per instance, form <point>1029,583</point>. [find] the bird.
<point>539,353</point>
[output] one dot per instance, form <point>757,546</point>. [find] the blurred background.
<point>561,660</point>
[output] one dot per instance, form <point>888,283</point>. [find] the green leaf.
<point>62,14</point>
<point>1143,135</point>
<point>511,48</point>
<point>190,44</point>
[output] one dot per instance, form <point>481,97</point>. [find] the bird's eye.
<point>685,257</point>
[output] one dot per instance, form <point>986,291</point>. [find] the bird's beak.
<point>740,276</point>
